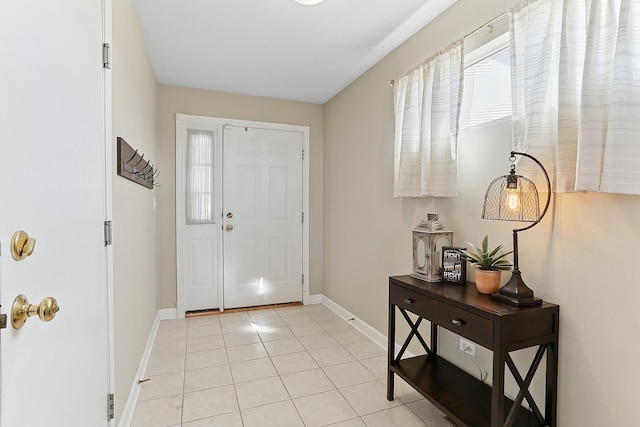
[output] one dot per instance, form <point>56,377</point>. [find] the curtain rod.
<point>486,24</point>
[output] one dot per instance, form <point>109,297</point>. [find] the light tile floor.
<point>293,366</point>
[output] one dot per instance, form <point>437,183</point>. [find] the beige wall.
<point>568,259</point>
<point>134,218</point>
<point>172,100</point>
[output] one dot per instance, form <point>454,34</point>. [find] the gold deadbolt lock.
<point>22,245</point>
<point>22,310</point>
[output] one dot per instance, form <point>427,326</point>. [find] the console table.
<point>493,325</point>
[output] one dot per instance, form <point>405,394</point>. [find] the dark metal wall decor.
<point>133,166</point>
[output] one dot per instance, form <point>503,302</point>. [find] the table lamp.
<point>515,198</point>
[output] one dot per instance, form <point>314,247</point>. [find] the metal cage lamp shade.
<point>515,198</point>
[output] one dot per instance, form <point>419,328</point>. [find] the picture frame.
<point>454,266</point>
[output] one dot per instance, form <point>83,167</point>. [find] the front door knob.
<point>22,310</point>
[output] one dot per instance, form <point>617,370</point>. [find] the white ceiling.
<point>276,48</point>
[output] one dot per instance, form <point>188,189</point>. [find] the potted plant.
<point>489,265</point>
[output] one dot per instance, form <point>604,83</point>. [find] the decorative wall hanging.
<point>134,167</point>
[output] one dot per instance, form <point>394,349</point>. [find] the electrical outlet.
<point>467,347</point>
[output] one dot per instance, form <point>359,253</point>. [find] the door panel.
<point>262,190</point>
<point>52,184</point>
<point>201,279</point>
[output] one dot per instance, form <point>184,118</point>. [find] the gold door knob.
<point>22,310</point>
<point>229,227</point>
<point>22,245</point>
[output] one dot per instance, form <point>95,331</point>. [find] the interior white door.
<point>53,185</point>
<point>262,216</point>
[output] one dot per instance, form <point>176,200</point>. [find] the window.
<point>200,177</point>
<point>487,84</point>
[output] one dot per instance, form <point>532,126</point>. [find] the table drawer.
<point>412,301</point>
<point>463,323</point>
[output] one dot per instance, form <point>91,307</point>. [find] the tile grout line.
<point>184,374</point>
<point>282,382</point>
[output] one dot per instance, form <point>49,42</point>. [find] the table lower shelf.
<point>461,396</point>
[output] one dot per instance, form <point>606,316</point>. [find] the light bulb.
<point>513,201</point>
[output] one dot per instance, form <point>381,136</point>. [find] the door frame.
<point>185,122</point>
<point>107,37</point>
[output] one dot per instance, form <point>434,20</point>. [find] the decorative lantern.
<point>428,239</point>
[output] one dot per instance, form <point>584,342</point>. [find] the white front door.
<point>262,216</point>
<point>53,185</point>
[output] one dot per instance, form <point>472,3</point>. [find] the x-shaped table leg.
<point>524,387</point>
<point>414,332</point>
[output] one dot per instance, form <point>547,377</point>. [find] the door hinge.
<point>303,154</point>
<point>303,217</point>
<point>106,55</point>
<point>107,233</point>
<point>303,278</point>
<point>110,406</point>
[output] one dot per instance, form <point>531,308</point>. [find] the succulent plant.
<point>486,259</point>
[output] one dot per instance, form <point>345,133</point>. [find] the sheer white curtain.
<point>427,103</point>
<point>576,91</point>
<point>199,191</point>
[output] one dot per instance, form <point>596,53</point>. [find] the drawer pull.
<point>457,322</point>
<point>409,301</point>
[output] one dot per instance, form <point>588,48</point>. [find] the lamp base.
<point>516,293</point>
<point>522,302</point>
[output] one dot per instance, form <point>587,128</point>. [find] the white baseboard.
<point>315,299</point>
<point>167,313</point>
<point>130,406</point>
<point>368,330</point>
<point>372,333</point>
